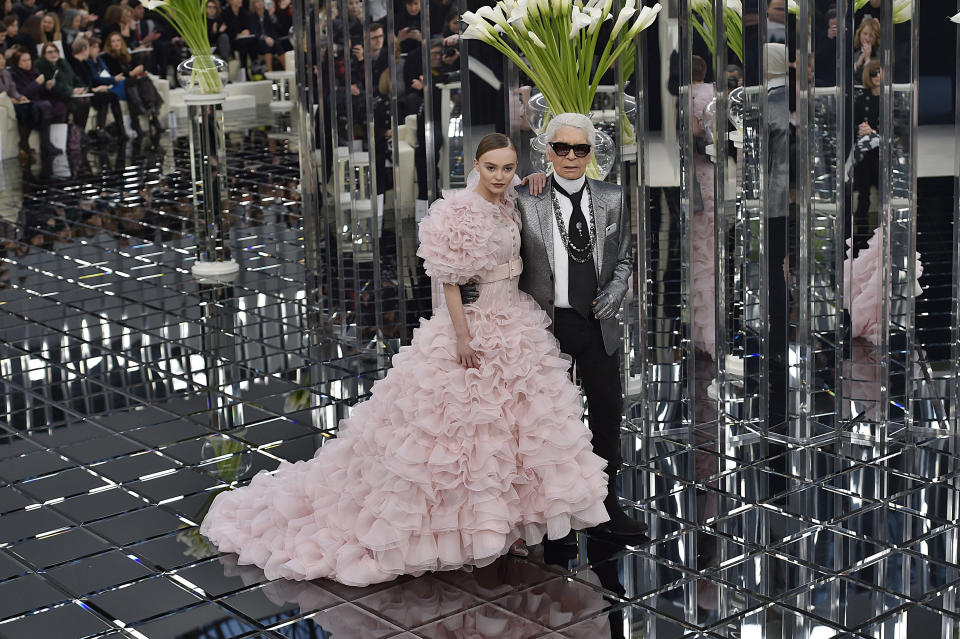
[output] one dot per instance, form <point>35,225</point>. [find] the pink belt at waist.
<point>507,270</point>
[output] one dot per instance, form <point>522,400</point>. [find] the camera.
<point>449,51</point>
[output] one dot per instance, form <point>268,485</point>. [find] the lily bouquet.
<point>705,24</point>
<point>189,19</point>
<point>555,42</point>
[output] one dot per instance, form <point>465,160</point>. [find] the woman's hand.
<point>467,357</point>
<point>535,182</point>
<point>50,83</point>
<point>137,70</point>
<point>41,79</point>
<point>864,129</point>
<point>118,77</point>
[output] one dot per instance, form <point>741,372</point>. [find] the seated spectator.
<point>67,87</point>
<point>37,89</point>
<point>148,35</point>
<point>217,30</point>
<point>24,9</point>
<point>141,95</point>
<point>13,37</point>
<point>24,111</point>
<point>282,24</point>
<point>50,28</point>
<point>95,76</point>
<point>32,28</point>
<point>261,26</point>
<point>118,19</point>
<point>72,28</point>
<point>242,41</point>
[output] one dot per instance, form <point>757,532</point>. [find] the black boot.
<point>118,119</point>
<point>155,127</point>
<point>621,527</point>
<point>46,146</point>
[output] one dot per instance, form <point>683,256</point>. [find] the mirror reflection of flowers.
<point>902,9</point>
<point>956,18</point>
<point>557,41</point>
<point>189,20</point>
<point>705,24</point>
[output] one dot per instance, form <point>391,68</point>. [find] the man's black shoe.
<point>621,527</point>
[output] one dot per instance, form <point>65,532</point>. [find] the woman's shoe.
<point>25,157</point>
<point>155,127</point>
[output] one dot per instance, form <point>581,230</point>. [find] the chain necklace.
<point>577,255</point>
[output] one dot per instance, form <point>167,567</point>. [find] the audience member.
<point>261,27</point>
<point>38,89</point>
<point>141,95</point>
<point>50,28</point>
<point>25,8</point>
<point>14,37</point>
<point>93,74</point>
<point>217,30</point>
<point>866,42</point>
<point>407,24</point>
<point>67,87</point>
<point>242,41</point>
<point>24,110</point>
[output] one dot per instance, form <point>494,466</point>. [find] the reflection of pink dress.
<point>443,466</point>
<point>703,300</point>
<point>863,278</point>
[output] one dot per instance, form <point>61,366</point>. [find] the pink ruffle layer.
<point>442,467</point>
<point>863,279</point>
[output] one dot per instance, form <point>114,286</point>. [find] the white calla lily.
<point>793,7</point>
<point>956,18</point>
<point>645,19</point>
<point>153,5</point>
<point>578,21</point>
<point>735,5</point>
<point>902,11</point>
<point>536,39</point>
<point>629,8</point>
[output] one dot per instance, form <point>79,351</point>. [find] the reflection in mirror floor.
<point>132,394</point>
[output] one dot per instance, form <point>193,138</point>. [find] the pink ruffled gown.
<point>863,279</point>
<point>704,300</point>
<point>443,466</point>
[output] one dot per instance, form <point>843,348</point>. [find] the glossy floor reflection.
<point>132,395</point>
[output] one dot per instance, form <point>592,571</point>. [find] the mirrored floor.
<point>132,395</point>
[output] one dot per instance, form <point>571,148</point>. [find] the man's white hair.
<point>573,121</point>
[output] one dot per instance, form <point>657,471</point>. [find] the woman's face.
<point>25,62</point>
<point>866,36</point>
<point>51,55</point>
<point>94,50</point>
<point>496,169</point>
<point>354,8</point>
<point>876,77</point>
<point>211,10</point>
<point>113,44</point>
<point>75,23</point>
<point>258,6</point>
<point>13,29</point>
<point>47,24</point>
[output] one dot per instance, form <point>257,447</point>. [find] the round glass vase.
<point>204,73</point>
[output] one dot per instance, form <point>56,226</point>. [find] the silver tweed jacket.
<point>612,254</point>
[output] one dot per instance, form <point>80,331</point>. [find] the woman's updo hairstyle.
<point>492,142</point>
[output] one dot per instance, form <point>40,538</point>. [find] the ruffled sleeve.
<point>456,241</point>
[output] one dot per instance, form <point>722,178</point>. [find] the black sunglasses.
<point>563,149</point>
<point>874,73</point>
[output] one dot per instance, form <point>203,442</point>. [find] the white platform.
<point>237,102</point>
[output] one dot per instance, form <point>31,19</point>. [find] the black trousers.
<point>582,339</point>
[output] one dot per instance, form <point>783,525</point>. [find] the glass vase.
<point>204,73</point>
<point>610,109</point>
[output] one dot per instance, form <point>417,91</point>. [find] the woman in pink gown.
<point>472,441</point>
